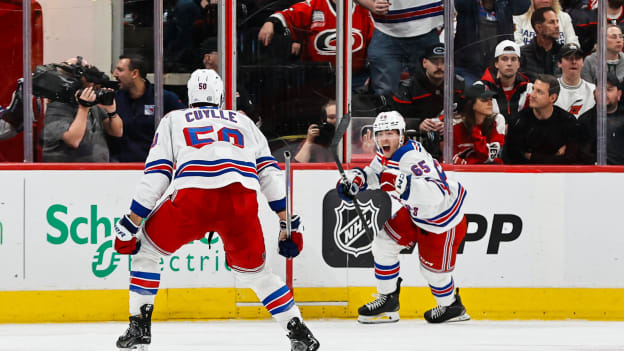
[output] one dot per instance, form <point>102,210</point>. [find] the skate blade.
<point>143,347</point>
<point>386,317</point>
<point>463,317</point>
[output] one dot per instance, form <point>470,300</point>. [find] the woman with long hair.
<point>480,135</point>
<point>525,32</point>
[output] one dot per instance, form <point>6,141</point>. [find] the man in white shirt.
<point>576,94</point>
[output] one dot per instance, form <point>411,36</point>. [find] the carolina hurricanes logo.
<point>325,42</point>
<point>575,109</point>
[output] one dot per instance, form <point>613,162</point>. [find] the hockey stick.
<point>340,130</point>
<point>288,196</point>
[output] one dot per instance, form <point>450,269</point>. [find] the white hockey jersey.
<point>208,148</point>
<point>410,18</point>
<point>576,99</point>
<point>433,201</point>
<point>524,32</point>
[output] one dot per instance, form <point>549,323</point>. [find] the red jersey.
<point>313,23</point>
<point>474,146</point>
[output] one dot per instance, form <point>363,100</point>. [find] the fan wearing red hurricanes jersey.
<point>430,216</point>
<point>480,135</point>
<point>215,162</point>
<point>312,24</point>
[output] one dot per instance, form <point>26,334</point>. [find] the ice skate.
<point>456,312</point>
<point>384,309</point>
<point>138,335</point>
<point>301,338</point>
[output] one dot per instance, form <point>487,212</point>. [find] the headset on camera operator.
<point>316,146</point>
<point>81,110</point>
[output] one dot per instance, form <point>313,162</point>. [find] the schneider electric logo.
<point>65,230</point>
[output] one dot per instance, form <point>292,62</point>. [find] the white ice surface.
<point>343,335</point>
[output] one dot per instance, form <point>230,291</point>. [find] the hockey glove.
<point>356,181</point>
<point>493,151</point>
<point>393,180</point>
<point>293,244</point>
<point>125,240</point>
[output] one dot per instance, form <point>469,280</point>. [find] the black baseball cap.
<point>434,51</point>
<point>208,46</point>
<point>569,49</point>
<point>478,91</point>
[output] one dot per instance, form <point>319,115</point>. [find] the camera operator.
<point>316,146</point>
<point>74,131</point>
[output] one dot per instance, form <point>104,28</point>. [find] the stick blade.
<point>342,127</point>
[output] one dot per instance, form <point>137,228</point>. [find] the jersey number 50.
<point>201,136</point>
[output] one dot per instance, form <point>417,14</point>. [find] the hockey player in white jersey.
<point>215,162</point>
<point>431,216</point>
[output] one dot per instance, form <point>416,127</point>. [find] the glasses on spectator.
<point>615,36</point>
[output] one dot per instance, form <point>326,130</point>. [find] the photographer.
<point>316,146</point>
<point>74,130</point>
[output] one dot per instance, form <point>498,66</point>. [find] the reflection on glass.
<point>288,71</point>
<point>11,72</point>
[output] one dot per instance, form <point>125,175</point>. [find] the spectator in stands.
<point>420,99</point>
<point>540,55</point>
<point>568,5</point>
<point>75,132</point>
<point>615,13</point>
<point>481,134</point>
<point>543,133</point>
<point>244,104</point>
<point>615,57</point>
<point>315,148</point>
<point>481,25</point>
<point>585,22</point>
<point>615,125</point>
<point>576,95</point>
<point>525,30</point>
<point>312,24</point>
<point>184,28</point>
<point>512,88</point>
<point>135,106</point>
<point>403,29</point>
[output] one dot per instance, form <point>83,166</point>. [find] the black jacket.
<point>615,136</point>
<point>468,51</point>
<point>507,108</point>
<point>417,99</point>
<point>543,138</point>
<point>535,60</point>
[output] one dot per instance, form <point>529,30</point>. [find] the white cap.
<point>206,86</point>
<point>507,47</point>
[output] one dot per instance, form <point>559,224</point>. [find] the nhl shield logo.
<point>345,243</point>
<point>349,232</point>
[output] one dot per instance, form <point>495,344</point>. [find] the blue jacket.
<point>467,50</point>
<point>139,125</point>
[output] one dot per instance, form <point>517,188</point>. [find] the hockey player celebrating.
<point>215,162</point>
<point>431,216</point>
